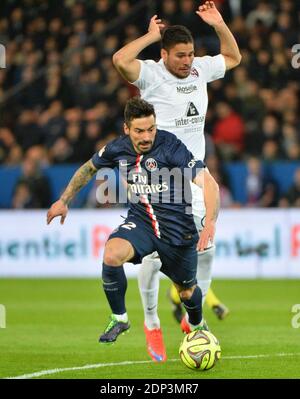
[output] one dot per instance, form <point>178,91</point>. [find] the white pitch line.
<point>128,363</point>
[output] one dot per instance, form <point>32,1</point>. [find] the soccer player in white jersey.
<point>177,87</point>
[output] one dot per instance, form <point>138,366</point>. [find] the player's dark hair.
<point>137,108</point>
<point>175,34</point>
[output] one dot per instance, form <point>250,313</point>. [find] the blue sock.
<point>115,285</point>
<point>193,306</point>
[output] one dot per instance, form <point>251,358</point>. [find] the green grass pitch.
<point>55,324</point>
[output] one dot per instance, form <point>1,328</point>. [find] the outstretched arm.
<point>125,59</point>
<point>229,48</point>
<point>81,177</point>
<point>212,205</point>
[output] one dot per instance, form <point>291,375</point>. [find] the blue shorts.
<point>179,263</point>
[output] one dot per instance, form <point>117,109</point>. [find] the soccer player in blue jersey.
<point>159,219</point>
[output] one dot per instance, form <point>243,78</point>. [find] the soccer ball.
<point>200,350</point>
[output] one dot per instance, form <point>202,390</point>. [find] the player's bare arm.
<point>212,205</point>
<point>81,177</point>
<point>125,60</point>
<point>229,48</point>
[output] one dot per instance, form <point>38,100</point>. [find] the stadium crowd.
<point>61,99</point>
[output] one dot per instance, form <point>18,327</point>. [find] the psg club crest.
<point>151,164</point>
<point>194,72</point>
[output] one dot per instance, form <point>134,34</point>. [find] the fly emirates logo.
<point>140,185</point>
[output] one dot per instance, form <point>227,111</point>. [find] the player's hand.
<point>155,26</point>
<point>59,208</point>
<point>209,13</point>
<point>206,236</point>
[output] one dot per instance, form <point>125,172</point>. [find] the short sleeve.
<point>183,159</point>
<point>213,68</point>
<point>104,158</point>
<point>147,74</point>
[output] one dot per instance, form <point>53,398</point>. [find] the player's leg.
<point>148,279</point>
<point>192,301</point>
<point>204,271</point>
<point>178,311</point>
<point>204,267</point>
<point>128,242</point>
<point>205,258</point>
<point>117,252</point>
<point>180,265</point>
<point>212,301</point>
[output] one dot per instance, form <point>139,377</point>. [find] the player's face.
<point>178,60</point>
<point>142,132</point>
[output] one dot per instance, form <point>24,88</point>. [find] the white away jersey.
<point>181,104</point>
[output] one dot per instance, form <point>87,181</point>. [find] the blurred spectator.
<point>254,181</point>
<point>291,141</point>
<point>292,197</point>
<point>188,17</point>
<point>7,142</point>
<point>169,13</point>
<point>270,129</point>
<point>23,197</point>
<point>27,130</point>
<point>32,189</point>
<point>217,171</point>
<point>261,189</point>
<point>228,132</point>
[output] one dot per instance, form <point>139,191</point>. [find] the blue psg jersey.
<point>158,184</point>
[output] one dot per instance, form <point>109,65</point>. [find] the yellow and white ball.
<point>200,350</point>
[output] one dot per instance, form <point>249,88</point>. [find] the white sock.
<point>121,317</point>
<point>148,279</point>
<point>192,326</point>
<point>204,270</point>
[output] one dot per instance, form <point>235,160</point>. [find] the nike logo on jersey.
<point>124,163</point>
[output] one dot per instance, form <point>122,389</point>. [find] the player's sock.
<point>193,307</point>
<point>211,299</point>
<point>148,279</point>
<point>115,285</point>
<point>175,298</point>
<point>121,317</point>
<point>201,325</point>
<point>204,270</point>
<point>178,310</point>
<point>205,260</point>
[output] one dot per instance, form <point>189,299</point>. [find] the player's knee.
<point>186,294</point>
<point>112,257</point>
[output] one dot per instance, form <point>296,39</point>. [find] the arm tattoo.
<point>81,177</point>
